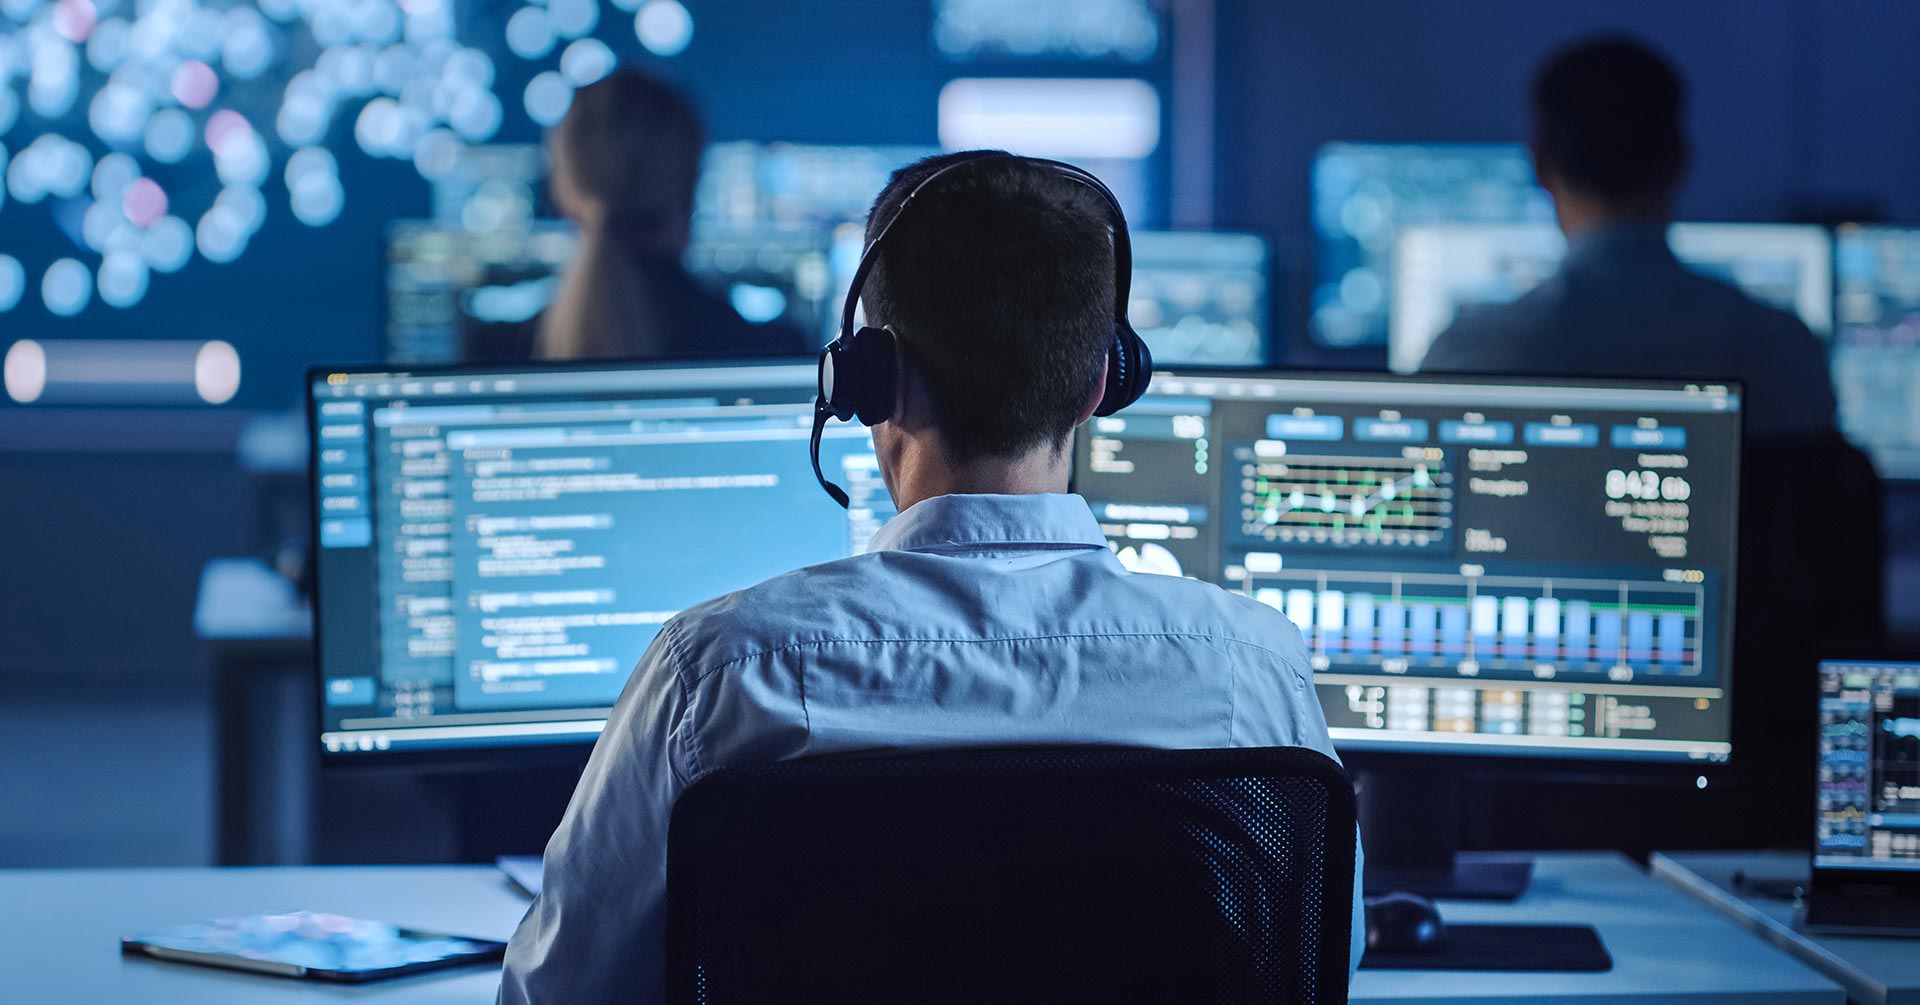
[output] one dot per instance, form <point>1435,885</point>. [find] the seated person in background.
<point>625,162</point>
<point>989,612</point>
<point>1608,144</point>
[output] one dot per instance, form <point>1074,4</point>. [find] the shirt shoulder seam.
<point>697,678</point>
<point>689,738</point>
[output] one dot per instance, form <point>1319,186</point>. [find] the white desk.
<point>1665,947</point>
<point>1875,971</point>
<point>60,930</point>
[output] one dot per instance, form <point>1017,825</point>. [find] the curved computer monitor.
<point>1478,565</point>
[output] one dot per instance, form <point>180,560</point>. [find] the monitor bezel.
<point>475,755</point>
<point>1533,764</point>
<point>1831,880</point>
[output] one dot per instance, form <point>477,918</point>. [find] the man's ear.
<point>1088,407</point>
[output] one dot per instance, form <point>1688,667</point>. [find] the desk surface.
<point>1666,948</point>
<point>60,930</point>
<point>1874,971</point>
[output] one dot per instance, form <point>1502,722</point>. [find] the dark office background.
<point>106,692</point>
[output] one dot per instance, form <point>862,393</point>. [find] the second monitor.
<point>1477,565</point>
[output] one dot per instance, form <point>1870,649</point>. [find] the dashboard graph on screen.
<point>1474,564</point>
<point>1402,621</point>
<point>1869,808</point>
<point>1357,501</point>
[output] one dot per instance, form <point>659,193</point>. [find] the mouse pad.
<point>1505,947</point>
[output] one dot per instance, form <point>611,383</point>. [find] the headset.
<point>860,370</point>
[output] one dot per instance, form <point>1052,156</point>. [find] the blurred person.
<point>1609,144</point>
<point>625,162</point>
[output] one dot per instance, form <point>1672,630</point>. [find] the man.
<point>1609,145</point>
<point>626,159</point>
<point>989,612</point>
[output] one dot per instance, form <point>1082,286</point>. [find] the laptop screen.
<point>1868,814</point>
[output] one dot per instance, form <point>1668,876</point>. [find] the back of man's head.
<point>999,285</point>
<point>629,150</point>
<point>1607,121</point>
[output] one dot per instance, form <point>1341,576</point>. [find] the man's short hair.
<point>999,284</point>
<point>1606,118</point>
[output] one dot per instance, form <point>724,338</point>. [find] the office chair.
<point>1068,874</point>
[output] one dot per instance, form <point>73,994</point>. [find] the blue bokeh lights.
<point>107,108</point>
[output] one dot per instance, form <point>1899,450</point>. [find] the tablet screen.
<point>317,941</point>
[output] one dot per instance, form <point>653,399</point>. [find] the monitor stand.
<point>1410,827</point>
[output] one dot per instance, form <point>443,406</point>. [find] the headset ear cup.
<point>1129,370</point>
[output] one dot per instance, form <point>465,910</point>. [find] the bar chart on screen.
<point>1506,626</point>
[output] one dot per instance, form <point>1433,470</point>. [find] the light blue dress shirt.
<point>1623,306</point>
<point>973,620</point>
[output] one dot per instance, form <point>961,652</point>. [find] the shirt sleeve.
<point>597,932</point>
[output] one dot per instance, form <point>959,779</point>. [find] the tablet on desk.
<point>312,946</point>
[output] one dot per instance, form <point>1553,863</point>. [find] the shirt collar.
<point>1613,244</point>
<point>965,522</point>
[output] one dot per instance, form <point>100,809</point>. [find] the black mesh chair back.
<point>1057,874</point>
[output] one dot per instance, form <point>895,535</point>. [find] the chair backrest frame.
<point>810,879</point>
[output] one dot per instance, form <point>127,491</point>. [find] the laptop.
<point>1866,853</point>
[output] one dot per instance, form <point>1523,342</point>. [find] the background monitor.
<point>1364,194</point>
<point>1201,298</point>
<point>1788,265</point>
<point>1876,346</point>
<point>1869,807</point>
<point>771,229</point>
<point>1442,271</point>
<point>455,293</point>
<point>497,547</point>
<point>746,184</point>
<point>1477,565</point>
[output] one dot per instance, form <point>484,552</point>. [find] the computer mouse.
<point>1404,923</point>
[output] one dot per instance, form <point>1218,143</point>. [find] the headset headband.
<point>1122,243</point>
<point>859,370</point>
